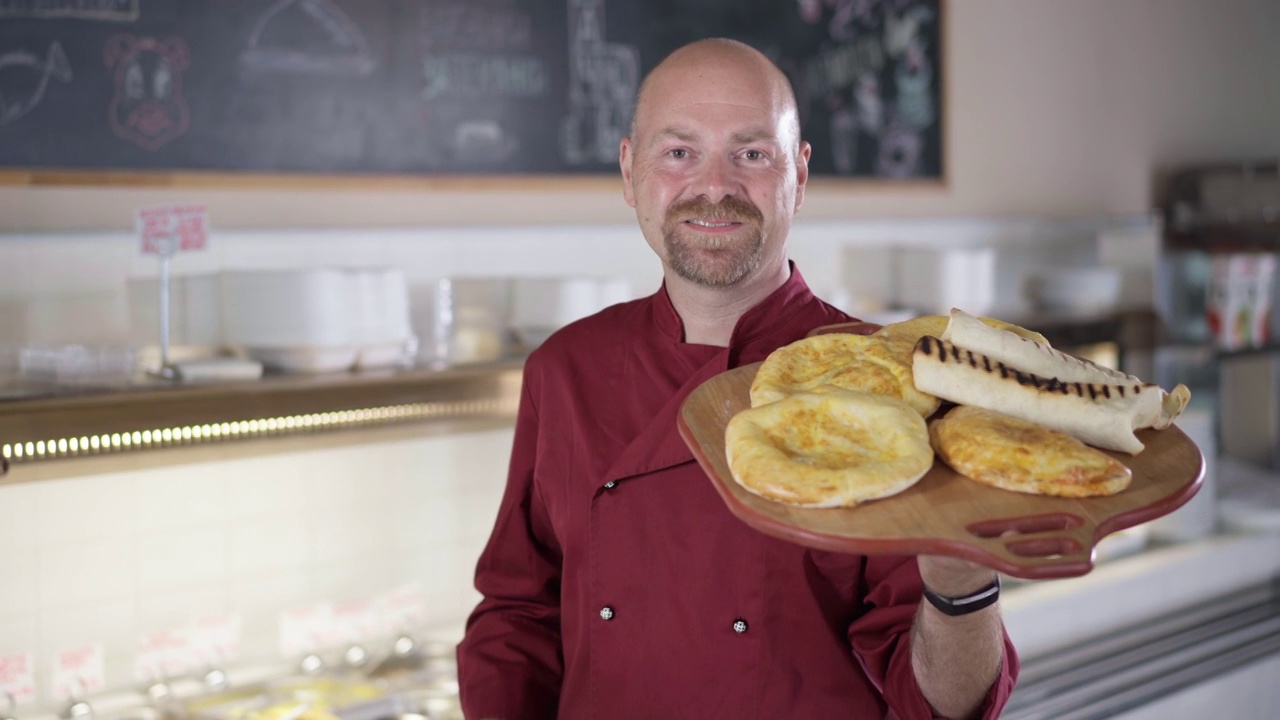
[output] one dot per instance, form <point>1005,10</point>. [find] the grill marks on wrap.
<point>944,352</point>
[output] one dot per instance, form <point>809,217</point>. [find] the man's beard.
<point>715,261</point>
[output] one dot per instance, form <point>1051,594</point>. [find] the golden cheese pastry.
<point>842,360</point>
<point>830,448</point>
<point>1022,456</point>
<point>901,337</point>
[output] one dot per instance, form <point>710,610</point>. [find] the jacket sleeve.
<point>510,661</point>
<point>880,638</point>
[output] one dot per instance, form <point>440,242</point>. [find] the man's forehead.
<point>746,133</point>
<point>717,88</point>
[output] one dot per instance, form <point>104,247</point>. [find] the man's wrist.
<point>955,606</point>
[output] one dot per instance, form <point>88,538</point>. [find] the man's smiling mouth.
<point>713,223</point>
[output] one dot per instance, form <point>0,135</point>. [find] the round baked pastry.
<point>1014,454</point>
<point>828,448</point>
<point>851,362</point>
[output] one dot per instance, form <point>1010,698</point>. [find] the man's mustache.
<point>731,208</point>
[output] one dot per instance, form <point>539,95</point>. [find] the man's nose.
<point>717,179</point>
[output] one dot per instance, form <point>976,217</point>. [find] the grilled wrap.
<point>1101,414</point>
<point>1039,359</point>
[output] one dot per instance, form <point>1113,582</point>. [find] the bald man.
<point>616,584</point>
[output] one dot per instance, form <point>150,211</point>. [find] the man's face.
<point>715,170</point>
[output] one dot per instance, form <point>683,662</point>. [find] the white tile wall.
<point>106,559</point>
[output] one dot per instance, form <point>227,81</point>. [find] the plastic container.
<point>936,280</point>
<point>1080,290</point>
<point>462,320</point>
<point>78,365</point>
<point>194,311</point>
<point>382,328</point>
<point>290,320</point>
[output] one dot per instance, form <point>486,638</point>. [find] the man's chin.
<point>713,272</point>
<point>715,260</point>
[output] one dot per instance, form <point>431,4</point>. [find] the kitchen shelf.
<point>154,419</point>
<point>1260,237</point>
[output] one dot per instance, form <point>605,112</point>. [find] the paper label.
<point>78,672</point>
<point>356,621</point>
<point>162,655</point>
<point>215,640</point>
<point>402,609</point>
<point>18,677</point>
<point>306,629</point>
<point>170,229</point>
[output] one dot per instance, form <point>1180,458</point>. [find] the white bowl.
<point>1076,290</point>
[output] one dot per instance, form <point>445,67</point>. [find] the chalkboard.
<point>438,87</point>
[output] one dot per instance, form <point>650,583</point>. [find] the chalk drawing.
<point>848,17</point>
<point>603,79</point>
<point>844,139</point>
<point>24,78</point>
<point>108,10</point>
<point>866,96</point>
<point>900,151</point>
<point>913,77</point>
<point>482,141</point>
<point>901,30</point>
<point>473,74</point>
<point>836,66</point>
<point>148,108</point>
<point>477,27</point>
<point>345,52</point>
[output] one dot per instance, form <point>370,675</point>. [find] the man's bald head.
<point>718,55</point>
<point>715,167</point>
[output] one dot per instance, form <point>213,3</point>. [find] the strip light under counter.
<point>67,428</point>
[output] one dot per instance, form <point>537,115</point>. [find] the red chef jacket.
<point>617,584</point>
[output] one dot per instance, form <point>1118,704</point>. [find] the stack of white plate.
<point>541,305</point>
<point>318,320</point>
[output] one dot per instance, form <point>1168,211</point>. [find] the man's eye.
<point>754,155</point>
<point>679,153</point>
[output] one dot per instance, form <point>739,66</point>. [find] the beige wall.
<point>1056,108</point>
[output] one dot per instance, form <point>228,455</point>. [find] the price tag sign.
<point>78,672</point>
<point>402,609</point>
<point>169,229</point>
<point>306,629</point>
<point>18,677</point>
<point>215,640</point>
<point>356,621</point>
<point>162,655</point>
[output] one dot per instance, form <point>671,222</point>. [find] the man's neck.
<point>709,315</point>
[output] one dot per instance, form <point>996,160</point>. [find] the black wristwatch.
<point>973,602</point>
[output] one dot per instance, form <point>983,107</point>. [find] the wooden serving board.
<point>1026,536</point>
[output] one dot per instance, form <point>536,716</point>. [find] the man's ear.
<point>624,162</point>
<point>802,171</point>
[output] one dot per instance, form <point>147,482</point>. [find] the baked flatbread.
<point>902,337</point>
<point>831,448</point>
<point>1012,454</point>
<point>853,362</point>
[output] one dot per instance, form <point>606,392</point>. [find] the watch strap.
<point>971,603</point>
